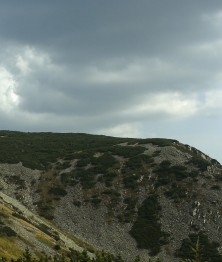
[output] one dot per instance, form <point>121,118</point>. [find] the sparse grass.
<point>5,210</point>
<point>6,247</point>
<point>45,240</point>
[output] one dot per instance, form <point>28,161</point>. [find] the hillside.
<point>127,196</point>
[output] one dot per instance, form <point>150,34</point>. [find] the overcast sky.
<point>131,68</point>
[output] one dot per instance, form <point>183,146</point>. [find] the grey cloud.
<point>97,66</point>
<point>92,31</point>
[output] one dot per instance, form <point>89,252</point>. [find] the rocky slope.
<point>20,229</point>
<point>131,197</point>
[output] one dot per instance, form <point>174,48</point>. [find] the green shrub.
<point>168,173</point>
<point>109,177</point>
<point>214,162</point>
<point>7,231</point>
<point>96,201</point>
<point>156,153</point>
<point>176,192</point>
<point>127,151</point>
<point>57,247</point>
<point>44,228</point>
<point>215,187</point>
<point>164,180</point>
<point>136,162</point>
<point>147,229</point>
<point>83,162</point>
<point>68,179</point>
<point>57,191</point>
<point>45,210</point>
<point>106,161</point>
<point>207,251</point>
<point>111,192</point>
<point>130,202</point>
<point>180,172</point>
<point>158,141</point>
<point>77,203</point>
<point>131,181</point>
<point>64,165</point>
<point>16,180</point>
<point>199,162</point>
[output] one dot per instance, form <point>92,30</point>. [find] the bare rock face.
<point>130,197</point>
<point>19,182</point>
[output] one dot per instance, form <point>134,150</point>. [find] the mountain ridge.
<point>100,189</point>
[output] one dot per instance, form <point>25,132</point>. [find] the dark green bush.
<point>215,187</point>
<point>165,164</point>
<point>127,151</point>
<point>64,165</point>
<point>109,177</point>
<point>46,210</point>
<point>219,177</point>
<point>163,180</point>
<point>147,229</point>
<point>111,192</point>
<point>168,173</point>
<point>156,153</point>
<point>208,251</point>
<point>96,201</point>
<point>176,192</point>
<point>180,172</point>
<point>57,247</point>
<point>68,179</point>
<point>214,162</point>
<point>57,191</point>
<point>77,203</point>
<point>83,162</point>
<point>136,162</point>
<point>158,141</point>
<point>16,180</point>
<point>131,181</point>
<point>130,202</point>
<point>7,231</point>
<point>199,162</point>
<point>106,161</point>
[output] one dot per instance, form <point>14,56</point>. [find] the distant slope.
<point>38,150</point>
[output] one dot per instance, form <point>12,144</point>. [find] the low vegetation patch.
<point>147,229</point>
<point>57,191</point>
<point>199,162</point>
<point>198,248</point>
<point>6,231</point>
<point>161,142</point>
<point>136,162</point>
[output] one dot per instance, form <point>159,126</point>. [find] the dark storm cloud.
<point>84,31</point>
